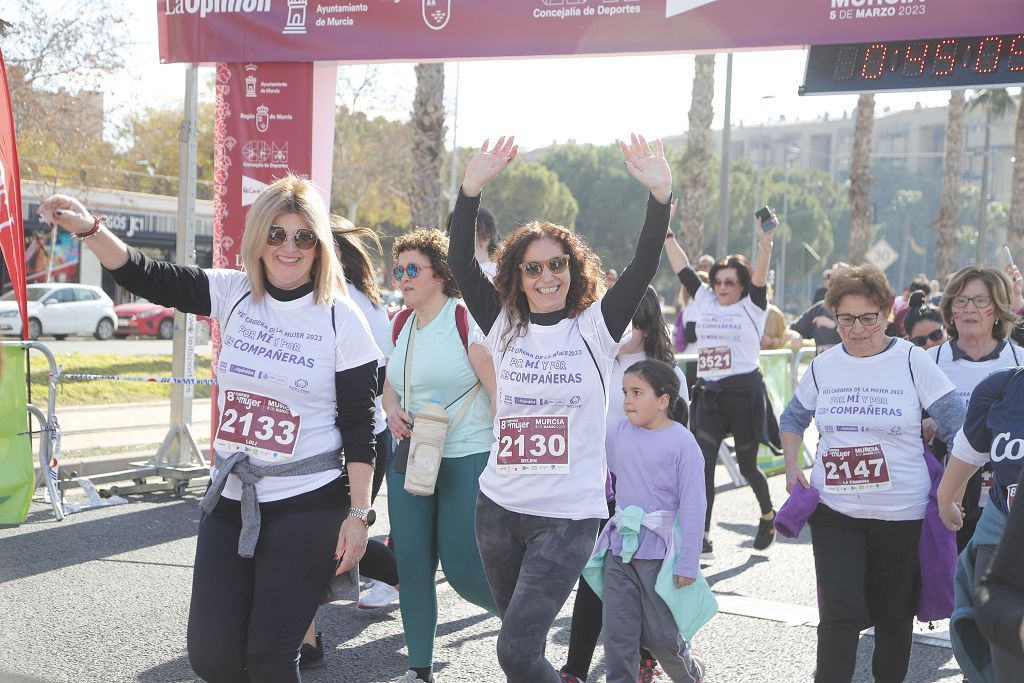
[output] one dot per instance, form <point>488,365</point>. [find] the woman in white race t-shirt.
<point>553,342</point>
<point>866,396</point>
<point>729,396</point>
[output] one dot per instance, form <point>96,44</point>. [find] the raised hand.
<point>67,212</point>
<point>487,164</point>
<point>648,166</point>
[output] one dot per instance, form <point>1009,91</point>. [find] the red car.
<point>145,319</point>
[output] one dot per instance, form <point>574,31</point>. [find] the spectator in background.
<point>936,295</point>
<point>487,239</point>
<point>819,293</point>
<point>902,304</point>
<point>704,263</point>
<point>776,334</point>
<point>610,277</point>
<point>817,322</point>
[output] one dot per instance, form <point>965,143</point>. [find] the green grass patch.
<point>77,392</point>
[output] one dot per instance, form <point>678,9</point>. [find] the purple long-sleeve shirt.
<point>660,470</point>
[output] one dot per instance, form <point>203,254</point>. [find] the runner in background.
<point>487,240</point>
<point>817,322</point>
<point>873,477</point>
<point>433,362</point>
<point>924,324</point>
<point>297,377</point>
<point>730,396</point>
<point>378,563</point>
<point>553,342</point>
<point>649,340</point>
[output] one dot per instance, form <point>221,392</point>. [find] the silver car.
<point>60,309</point>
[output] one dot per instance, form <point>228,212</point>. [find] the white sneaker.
<point>380,595</point>
<point>411,677</point>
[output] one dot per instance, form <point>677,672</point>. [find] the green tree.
<point>150,162</point>
<point>525,192</point>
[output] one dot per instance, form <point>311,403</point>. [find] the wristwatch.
<point>367,515</point>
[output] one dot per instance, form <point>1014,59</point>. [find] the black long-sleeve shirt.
<point>1000,599</point>
<point>617,307</point>
<point>187,289</point>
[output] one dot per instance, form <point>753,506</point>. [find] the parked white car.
<point>60,309</point>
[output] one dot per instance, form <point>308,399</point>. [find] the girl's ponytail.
<point>679,411</point>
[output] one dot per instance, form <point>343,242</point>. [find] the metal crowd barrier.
<point>726,454</point>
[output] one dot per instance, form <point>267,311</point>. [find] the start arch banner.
<point>425,30</point>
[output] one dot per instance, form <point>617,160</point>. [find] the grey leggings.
<point>531,565</point>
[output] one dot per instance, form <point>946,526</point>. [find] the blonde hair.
<point>295,195</point>
<point>999,288</point>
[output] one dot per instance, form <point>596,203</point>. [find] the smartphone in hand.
<point>1009,257</point>
<point>768,221</point>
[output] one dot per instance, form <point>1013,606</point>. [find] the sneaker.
<point>708,550</point>
<point>312,656</point>
<point>411,677</point>
<point>765,533</point>
<point>699,664</point>
<point>569,678</point>
<point>649,671</point>
<point>380,595</point>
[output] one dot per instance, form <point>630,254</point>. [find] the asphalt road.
<point>103,596</point>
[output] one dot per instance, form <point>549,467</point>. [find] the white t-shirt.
<point>287,352</point>
<point>548,457</point>
<point>622,362</point>
<point>966,373</point>
<point>728,337</point>
<point>867,410</point>
<point>380,327</point>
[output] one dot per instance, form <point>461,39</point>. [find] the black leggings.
<point>248,616</point>
<point>587,615</point>
<point>732,417</point>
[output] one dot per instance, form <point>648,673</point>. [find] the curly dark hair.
<point>738,262</point>
<point>433,244</point>
<point>585,272</point>
<point>649,320</point>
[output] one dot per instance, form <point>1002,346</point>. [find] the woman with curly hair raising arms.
<point>553,341</point>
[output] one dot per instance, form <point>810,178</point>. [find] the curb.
<point>104,464</point>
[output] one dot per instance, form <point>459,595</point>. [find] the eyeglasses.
<point>304,238</point>
<point>725,283</point>
<point>412,270</point>
<point>534,269</point>
<point>935,335</point>
<point>980,301</point>
<point>866,319</point>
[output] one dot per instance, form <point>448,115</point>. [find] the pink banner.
<point>423,30</point>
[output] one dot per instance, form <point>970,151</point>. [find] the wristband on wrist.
<point>93,230</point>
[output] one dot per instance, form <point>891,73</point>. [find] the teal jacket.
<point>691,606</point>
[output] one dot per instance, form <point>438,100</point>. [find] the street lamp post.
<point>791,153</point>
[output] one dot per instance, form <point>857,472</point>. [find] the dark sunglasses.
<point>534,269</point>
<point>305,239</point>
<point>412,270</point>
<point>935,335</point>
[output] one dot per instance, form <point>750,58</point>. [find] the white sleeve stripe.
<point>965,452</point>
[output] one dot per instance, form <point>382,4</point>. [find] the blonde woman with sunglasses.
<point>553,340</point>
<point>297,381</point>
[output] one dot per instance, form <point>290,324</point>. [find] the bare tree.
<point>1015,228</point>
<point>860,179</point>
<point>695,167</point>
<point>428,150</point>
<point>952,171</point>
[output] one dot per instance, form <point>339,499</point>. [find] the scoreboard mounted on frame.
<point>937,64</point>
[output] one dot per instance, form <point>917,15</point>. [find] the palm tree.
<point>695,165</point>
<point>427,145</point>
<point>997,103</point>
<point>952,171</point>
<point>1015,228</point>
<point>860,179</point>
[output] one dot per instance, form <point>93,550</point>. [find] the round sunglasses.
<point>304,238</point>
<point>412,270</point>
<point>534,269</point>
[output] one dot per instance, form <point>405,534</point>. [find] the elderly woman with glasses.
<point>435,359</point>
<point>872,478</point>
<point>729,396</point>
<point>297,380</point>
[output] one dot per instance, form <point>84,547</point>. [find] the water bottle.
<point>426,446</point>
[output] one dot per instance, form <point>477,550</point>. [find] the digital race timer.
<point>941,63</point>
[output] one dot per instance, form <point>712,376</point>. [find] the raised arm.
<point>71,214</point>
<point>650,168</point>
<point>763,259</point>
<point>479,294</point>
